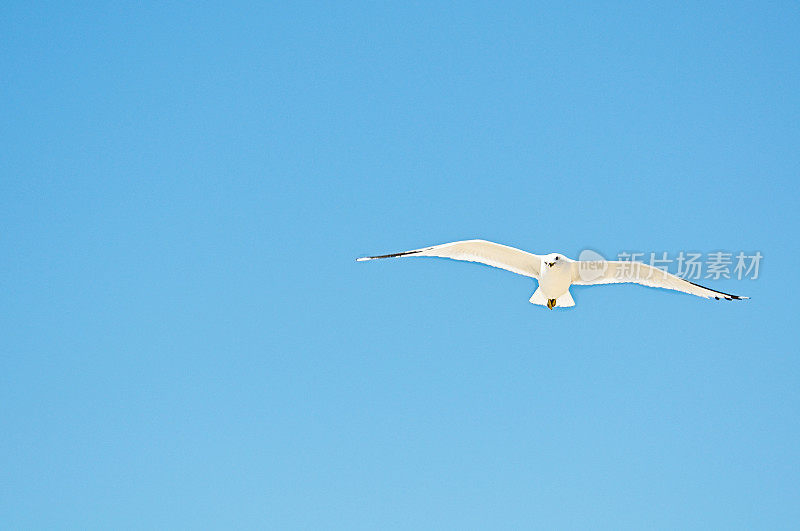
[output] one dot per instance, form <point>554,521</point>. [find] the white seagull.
<point>556,273</point>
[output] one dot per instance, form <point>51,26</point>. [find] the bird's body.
<point>556,273</point>
<point>555,280</point>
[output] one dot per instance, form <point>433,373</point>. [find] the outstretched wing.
<point>603,272</point>
<point>482,251</point>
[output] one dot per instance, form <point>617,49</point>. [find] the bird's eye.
<point>556,258</point>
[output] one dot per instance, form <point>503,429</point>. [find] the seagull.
<point>556,273</point>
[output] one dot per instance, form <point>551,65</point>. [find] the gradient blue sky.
<point>187,341</point>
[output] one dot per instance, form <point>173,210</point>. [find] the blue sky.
<point>188,343</point>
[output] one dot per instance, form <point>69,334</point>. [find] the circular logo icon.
<point>591,266</point>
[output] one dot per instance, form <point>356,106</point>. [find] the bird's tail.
<point>563,301</point>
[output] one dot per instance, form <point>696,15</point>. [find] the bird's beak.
<point>551,264</point>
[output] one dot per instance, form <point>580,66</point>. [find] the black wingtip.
<point>393,255</point>
<point>726,296</point>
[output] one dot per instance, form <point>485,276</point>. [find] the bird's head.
<point>554,261</point>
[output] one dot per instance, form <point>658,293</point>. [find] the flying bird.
<point>556,273</point>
